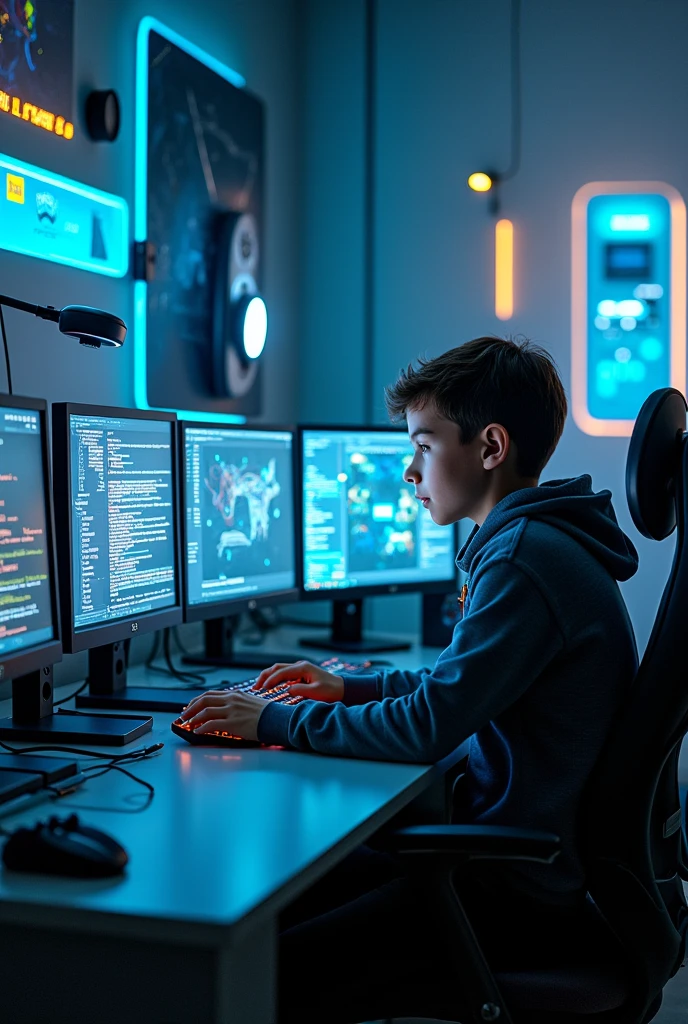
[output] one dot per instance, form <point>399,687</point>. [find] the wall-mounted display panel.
<point>54,218</point>
<point>199,159</point>
<point>628,300</point>
<point>36,63</point>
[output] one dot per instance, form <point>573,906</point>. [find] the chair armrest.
<point>475,842</point>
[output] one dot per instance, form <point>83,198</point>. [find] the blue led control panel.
<point>626,291</point>
<point>57,219</point>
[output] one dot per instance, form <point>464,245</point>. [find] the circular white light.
<point>630,307</point>
<point>607,307</point>
<point>602,323</point>
<point>623,355</point>
<point>255,327</point>
<point>627,323</point>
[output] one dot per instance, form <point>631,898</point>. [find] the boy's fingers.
<point>287,672</point>
<point>212,726</point>
<point>265,674</point>
<point>301,689</point>
<point>215,700</point>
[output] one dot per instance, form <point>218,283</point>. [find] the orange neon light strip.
<point>25,111</point>
<point>504,269</point>
<point>579,298</point>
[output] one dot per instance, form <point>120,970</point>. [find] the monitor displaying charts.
<point>362,526</point>
<point>238,509</point>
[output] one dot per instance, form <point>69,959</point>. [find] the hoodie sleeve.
<point>359,689</point>
<point>500,647</point>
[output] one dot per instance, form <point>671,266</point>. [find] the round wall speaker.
<point>239,311</point>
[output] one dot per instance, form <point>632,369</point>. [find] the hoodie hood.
<point>571,506</point>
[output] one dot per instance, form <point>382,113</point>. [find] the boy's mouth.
<point>423,499</point>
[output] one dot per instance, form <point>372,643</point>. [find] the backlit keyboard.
<point>279,693</point>
<point>219,738</point>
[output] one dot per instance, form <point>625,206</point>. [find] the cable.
<point>119,768</point>
<point>516,105</point>
<point>154,649</point>
<point>7,352</point>
<point>186,676</point>
<point>180,645</point>
<point>140,754</point>
<point>63,700</point>
<point>170,670</point>
<point>136,754</point>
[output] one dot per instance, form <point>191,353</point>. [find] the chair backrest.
<point>634,845</point>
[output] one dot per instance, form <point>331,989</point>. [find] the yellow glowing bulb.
<point>504,269</point>
<point>480,182</point>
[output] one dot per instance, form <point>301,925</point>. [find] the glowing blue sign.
<point>628,314</point>
<point>57,219</point>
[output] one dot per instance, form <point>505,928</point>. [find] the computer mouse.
<point>64,847</point>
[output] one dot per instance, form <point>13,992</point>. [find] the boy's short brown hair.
<point>490,380</point>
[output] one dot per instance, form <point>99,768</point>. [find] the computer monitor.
<point>29,620</point>
<point>116,510</point>
<point>238,531</point>
<point>362,530</point>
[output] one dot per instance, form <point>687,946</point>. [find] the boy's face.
<point>449,477</point>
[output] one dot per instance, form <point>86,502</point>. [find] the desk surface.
<point>230,834</point>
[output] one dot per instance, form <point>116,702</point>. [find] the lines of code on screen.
<point>25,604</point>
<point>123,562</point>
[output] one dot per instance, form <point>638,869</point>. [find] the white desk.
<point>188,934</point>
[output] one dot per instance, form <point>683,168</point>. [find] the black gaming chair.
<point>634,845</point>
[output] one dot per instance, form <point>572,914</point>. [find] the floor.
<point>674,1006</point>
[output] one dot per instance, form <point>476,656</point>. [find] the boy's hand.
<point>235,713</point>
<point>312,681</point>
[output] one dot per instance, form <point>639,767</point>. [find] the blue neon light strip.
<point>53,218</point>
<point>146,26</point>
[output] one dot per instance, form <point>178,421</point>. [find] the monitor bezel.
<point>20,663</point>
<point>234,606</point>
<point>74,640</point>
<point>443,586</point>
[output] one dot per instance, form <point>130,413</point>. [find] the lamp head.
<point>480,181</point>
<point>92,327</point>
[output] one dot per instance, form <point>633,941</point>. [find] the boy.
<point>535,672</point>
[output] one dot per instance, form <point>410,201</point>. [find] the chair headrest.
<point>654,460</point>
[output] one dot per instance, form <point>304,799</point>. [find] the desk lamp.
<point>93,327</point>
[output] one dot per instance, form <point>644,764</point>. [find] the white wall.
<point>604,97</point>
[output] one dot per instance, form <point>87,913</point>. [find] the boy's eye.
<point>424,448</point>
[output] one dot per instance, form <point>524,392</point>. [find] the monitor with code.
<point>26,597</point>
<point>122,510</point>
<point>363,528</point>
<point>238,506</point>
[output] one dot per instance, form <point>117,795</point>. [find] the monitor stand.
<point>108,690</point>
<point>34,718</point>
<point>219,636</point>
<point>347,633</point>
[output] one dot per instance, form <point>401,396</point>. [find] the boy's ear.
<point>496,443</point>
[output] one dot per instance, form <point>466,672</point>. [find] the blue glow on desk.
<point>53,218</point>
<point>146,26</point>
